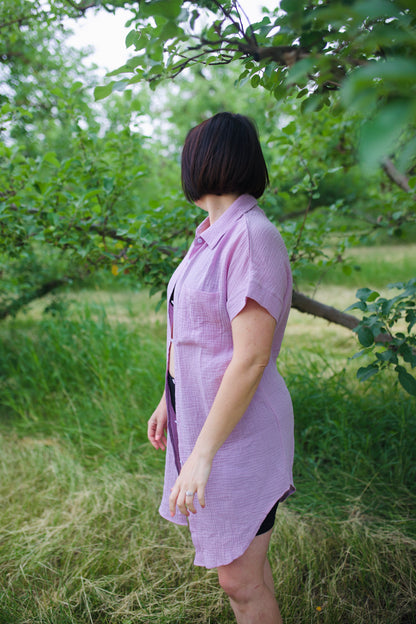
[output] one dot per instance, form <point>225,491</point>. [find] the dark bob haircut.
<point>223,155</point>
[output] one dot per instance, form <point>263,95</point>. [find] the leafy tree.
<point>77,182</point>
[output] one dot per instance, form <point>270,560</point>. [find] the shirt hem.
<point>199,560</point>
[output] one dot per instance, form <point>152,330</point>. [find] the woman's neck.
<point>216,205</point>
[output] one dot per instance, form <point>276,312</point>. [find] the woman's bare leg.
<point>244,580</point>
<point>268,576</point>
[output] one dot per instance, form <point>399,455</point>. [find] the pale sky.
<point>106,33</point>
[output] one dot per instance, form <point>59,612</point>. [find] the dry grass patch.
<point>83,545</point>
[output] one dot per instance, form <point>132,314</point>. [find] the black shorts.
<point>268,522</point>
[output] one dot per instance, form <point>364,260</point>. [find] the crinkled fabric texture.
<point>240,256</point>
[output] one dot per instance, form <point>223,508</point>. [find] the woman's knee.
<point>237,587</point>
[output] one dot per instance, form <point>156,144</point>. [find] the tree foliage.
<point>79,189</point>
<point>381,315</point>
<point>366,49</point>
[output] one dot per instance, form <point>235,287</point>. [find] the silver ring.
<point>189,493</point>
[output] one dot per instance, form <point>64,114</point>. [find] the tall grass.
<point>82,378</point>
<point>80,537</point>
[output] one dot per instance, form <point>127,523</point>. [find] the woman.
<point>229,429</point>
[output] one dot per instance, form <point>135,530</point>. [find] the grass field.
<point>80,538</point>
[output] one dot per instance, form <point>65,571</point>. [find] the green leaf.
<point>50,157</point>
<point>166,8</point>
<point>380,134</point>
<point>372,9</point>
<point>108,184</point>
<point>365,336</point>
<point>373,295</point>
<point>231,29</point>
<point>365,372</point>
<point>119,70</point>
<point>134,62</point>
<point>291,6</point>
<point>359,354</point>
<point>407,381</point>
<point>387,356</point>
<point>358,305</point>
<point>314,102</point>
<point>300,70</point>
<point>193,19</point>
<point>396,75</point>
<point>58,92</point>
<point>290,128</point>
<point>75,86</point>
<point>255,80</point>
<point>131,38</point>
<point>120,85</point>
<point>103,92</point>
<point>363,293</point>
<point>169,30</point>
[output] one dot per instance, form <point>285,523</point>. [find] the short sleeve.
<point>258,269</point>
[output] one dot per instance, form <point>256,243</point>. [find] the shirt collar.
<point>213,233</point>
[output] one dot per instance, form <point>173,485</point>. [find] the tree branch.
<point>296,213</point>
<point>19,20</point>
<point>82,6</point>
<point>321,310</point>
<point>395,175</point>
<point>282,55</point>
<point>316,308</point>
<point>300,302</point>
<point>27,298</point>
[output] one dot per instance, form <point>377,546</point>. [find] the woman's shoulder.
<point>260,231</point>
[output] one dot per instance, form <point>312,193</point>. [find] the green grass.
<point>80,537</point>
<point>374,267</point>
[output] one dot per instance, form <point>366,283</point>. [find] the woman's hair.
<point>223,155</point>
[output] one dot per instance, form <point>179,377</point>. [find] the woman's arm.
<point>157,424</point>
<point>252,330</point>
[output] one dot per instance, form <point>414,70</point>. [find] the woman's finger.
<point>162,443</point>
<point>160,427</point>
<point>181,504</point>
<point>151,429</point>
<point>156,433</point>
<point>189,501</point>
<point>173,500</point>
<point>201,495</point>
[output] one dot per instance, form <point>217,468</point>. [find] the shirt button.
<point>199,240</point>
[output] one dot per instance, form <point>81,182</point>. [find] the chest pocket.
<point>200,318</point>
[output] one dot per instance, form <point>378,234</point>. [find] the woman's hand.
<point>193,478</point>
<point>157,425</point>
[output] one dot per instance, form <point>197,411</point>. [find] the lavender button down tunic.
<point>241,255</point>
